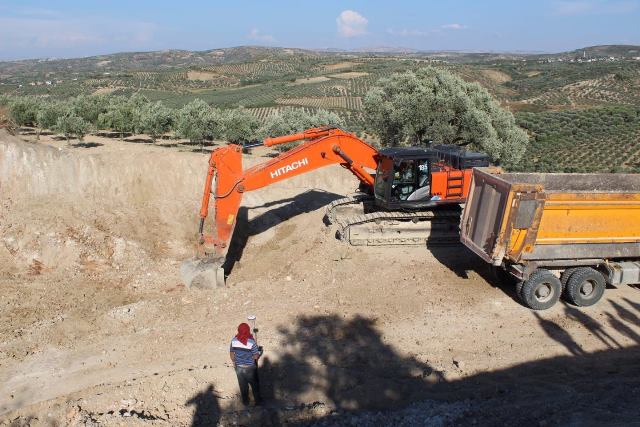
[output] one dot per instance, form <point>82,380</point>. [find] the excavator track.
<point>354,199</point>
<point>382,228</point>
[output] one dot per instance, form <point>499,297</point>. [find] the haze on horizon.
<point>75,28</point>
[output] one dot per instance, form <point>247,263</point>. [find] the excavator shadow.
<point>356,374</point>
<point>286,209</point>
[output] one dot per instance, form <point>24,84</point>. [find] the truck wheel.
<point>541,291</point>
<point>565,276</point>
<point>585,287</point>
<point>519,286</point>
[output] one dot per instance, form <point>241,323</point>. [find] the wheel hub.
<point>587,288</point>
<point>543,292</point>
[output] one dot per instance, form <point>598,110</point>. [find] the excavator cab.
<point>403,177</point>
<point>417,178</point>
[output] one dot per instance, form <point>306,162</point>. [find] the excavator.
<point>407,195</point>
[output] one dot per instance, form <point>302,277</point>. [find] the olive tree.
<point>433,104</point>
<point>48,114</point>
<point>123,114</point>
<point>192,121</point>
<point>156,119</point>
<point>70,124</point>
<point>89,107</point>
<point>239,125</point>
<point>213,122</point>
<point>24,110</point>
<point>114,117</point>
<point>4,100</point>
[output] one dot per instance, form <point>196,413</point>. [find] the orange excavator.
<point>408,195</point>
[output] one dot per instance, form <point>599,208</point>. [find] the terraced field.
<point>326,102</point>
<point>595,140</point>
<point>600,91</point>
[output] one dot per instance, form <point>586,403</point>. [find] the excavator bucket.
<point>203,273</point>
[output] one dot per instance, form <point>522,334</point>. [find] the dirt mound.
<point>62,209</point>
<point>66,208</point>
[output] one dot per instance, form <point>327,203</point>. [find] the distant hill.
<point>158,60</point>
<point>624,51</point>
<point>172,59</point>
<point>603,51</point>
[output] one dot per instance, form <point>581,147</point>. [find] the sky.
<point>74,28</point>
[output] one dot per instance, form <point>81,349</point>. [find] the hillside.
<point>603,51</point>
<point>266,80</point>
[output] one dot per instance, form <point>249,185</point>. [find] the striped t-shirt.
<point>244,352</point>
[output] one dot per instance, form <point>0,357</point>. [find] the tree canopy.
<point>24,110</point>
<point>156,119</point>
<point>239,125</point>
<point>193,121</point>
<point>49,113</point>
<point>435,105</point>
<point>70,124</point>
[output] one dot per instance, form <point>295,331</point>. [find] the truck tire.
<point>564,277</point>
<point>541,291</point>
<point>585,287</point>
<point>519,286</point>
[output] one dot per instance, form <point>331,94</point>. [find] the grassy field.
<point>581,108</point>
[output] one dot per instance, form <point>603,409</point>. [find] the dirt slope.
<point>98,330</point>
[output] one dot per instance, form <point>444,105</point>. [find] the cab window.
<point>404,179</point>
<point>382,175</point>
<point>423,173</point>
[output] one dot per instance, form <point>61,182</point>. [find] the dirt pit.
<point>98,330</point>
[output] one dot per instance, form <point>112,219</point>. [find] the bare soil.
<point>202,75</point>
<point>98,329</point>
<point>496,76</point>
<point>341,65</point>
<point>349,75</point>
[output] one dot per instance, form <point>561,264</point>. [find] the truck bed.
<point>524,217</point>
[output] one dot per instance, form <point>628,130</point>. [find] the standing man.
<point>244,354</point>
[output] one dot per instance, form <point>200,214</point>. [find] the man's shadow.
<point>207,411</point>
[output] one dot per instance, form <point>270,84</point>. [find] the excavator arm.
<point>227,181</point>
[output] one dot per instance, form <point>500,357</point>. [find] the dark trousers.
<point>248,375</point>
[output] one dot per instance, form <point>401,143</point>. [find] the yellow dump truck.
<point>557,235</point>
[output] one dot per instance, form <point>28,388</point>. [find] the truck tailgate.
<point>489,215</point>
